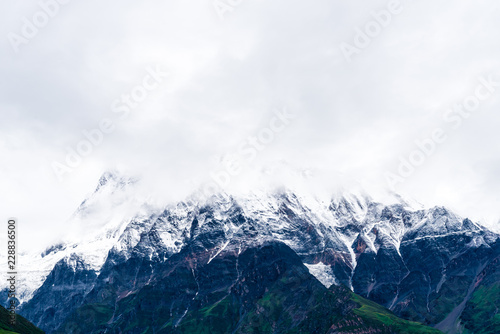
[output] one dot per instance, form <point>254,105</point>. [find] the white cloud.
<point>226,78</point>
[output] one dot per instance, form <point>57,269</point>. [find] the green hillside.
<point>22,326</point>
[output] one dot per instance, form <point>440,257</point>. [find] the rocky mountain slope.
<point>180,264</point>
<point>263,289</point>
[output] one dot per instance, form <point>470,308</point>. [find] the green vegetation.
<point>481,315</point>
<point>22,325</point>
<point>451,294</point>
<point>375,312</point>
<point>220,317</point>
<point>89,316</point>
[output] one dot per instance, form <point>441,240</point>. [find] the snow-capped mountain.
<point>93,229</point>
<point>423,264</point>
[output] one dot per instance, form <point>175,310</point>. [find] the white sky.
<point>226,79</point>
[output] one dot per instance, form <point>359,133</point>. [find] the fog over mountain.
<point>390,96</point>
<point>277,259</point>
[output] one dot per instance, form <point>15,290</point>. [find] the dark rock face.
<point>433,273</point>
<point>265,289</point>
<point>480,310</point>
<point>429,277</point>
<point>63,290</point>
<point>231,263</point>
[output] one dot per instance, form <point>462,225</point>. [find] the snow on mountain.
<point>323,273</point>
<point>93,230</point>
<point>113,220</point>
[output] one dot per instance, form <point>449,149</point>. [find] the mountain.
<point>22,325</point>
<point>480,314</point>
<point>263,289</point>
<point>190,263</point>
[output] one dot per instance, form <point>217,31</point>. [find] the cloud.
<point>226,79</point>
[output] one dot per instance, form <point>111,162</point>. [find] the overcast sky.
<point>350,104</point>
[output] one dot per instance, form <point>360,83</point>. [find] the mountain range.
<point>281,261</point>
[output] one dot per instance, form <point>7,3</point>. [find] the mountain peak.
<point>114,179</point>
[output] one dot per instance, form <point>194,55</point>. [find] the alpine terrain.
<point>281,261</point>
